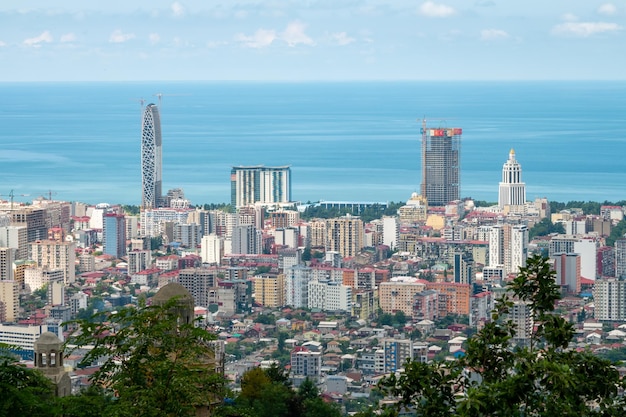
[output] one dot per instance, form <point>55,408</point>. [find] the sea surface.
<point>352,141</point>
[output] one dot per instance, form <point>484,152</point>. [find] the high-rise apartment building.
<point>345,235</point>
<point>609,295</point>
<point>212,249</point>
<point>114,235</point>
<point>53,255</point>
<point>399,295</point>
<point>269,290</point>
<point>441,162</point>
<point>567,267</point>
<point>200,282</point>
<point>151,157</point>
<point>246,240</point>
<point>620,258</point>
<point>260,184</point>
<point>9,301</point>
<point>297,280</point>
<point>7,257</point>
<point>512,189</point>
<point>15,237</point>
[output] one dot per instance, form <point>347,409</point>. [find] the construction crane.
<point>12,195</point>
<point>50,194</point>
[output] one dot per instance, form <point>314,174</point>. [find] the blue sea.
<point>355,141</point>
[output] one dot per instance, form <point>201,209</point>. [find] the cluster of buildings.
<point>438,256</point>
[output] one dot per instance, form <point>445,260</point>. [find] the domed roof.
<point>47,339</point>
<point>171,290</point>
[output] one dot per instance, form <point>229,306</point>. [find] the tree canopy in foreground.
<point>543,377</point>
<point>153,364</point>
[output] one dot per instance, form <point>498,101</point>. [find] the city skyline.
<point>315,40</point>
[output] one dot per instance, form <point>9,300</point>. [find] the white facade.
<point>519,248</point>
<point>588,250</point>
<point>391,231</point>
<point>152,220</point>
<point>329,296</point>
<point>260,184</point>
<point>36,278</point>
<point>53,255</point>
<point>296,286</point>
<point>15,237</point>
<point>139,260</point>
<point>496,246</point>
<point>287,237</point>
<point>609,296</point>
<point>512,189</point>
<point>24,336</point>
<point>212,249</point>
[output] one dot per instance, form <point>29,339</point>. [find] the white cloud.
<point>585,29</point>
<point>2,44</point>
<point>154,38</point>
<point>342,38</point>
<point>178,10</point>
<point>608,9</point>
<point>493,34</point>
<point>570,17</point>
<point>294,34</point>
<point>117,36</point>
<point>432,9</point>
<point>68,37</point>
<point>37,40</point>
<point>260,39</point>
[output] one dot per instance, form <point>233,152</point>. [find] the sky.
<point>302,40</point>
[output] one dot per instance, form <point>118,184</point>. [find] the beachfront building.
<point>260,184</point>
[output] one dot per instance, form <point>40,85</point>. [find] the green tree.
<point>399,318</point>
<point>155,365</point>
<point>496,378</point>
<point>544,228</point>
<point>25,392</point>
<point>306,254</point>
<point>385,319</point>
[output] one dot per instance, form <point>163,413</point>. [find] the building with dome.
<point>512,190</point>
<point>49,361</point>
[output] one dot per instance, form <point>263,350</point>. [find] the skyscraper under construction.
<point>441,161</point>
<point>151,158</point>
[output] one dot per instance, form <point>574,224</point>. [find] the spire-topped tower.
<point>512,189</point>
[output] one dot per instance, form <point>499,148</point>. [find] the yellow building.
<point>269,290</point>
<point>399,295</point>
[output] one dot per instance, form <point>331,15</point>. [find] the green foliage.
<point>265,319</point>
<point>399,318</point>
<point>544,228</point>
<point>497,378</point>
<point>588,207</point>
<point>155,365</point>
<point>268,393</point>
<point>131,210</point>
<point>262,270</point>
<point>91,402</point>
<point>306,254</point>
<point>25,392</point>
<point>225,207</point>
<point>617,232</point>
<point>367,215</point>
<point>156,242</point>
